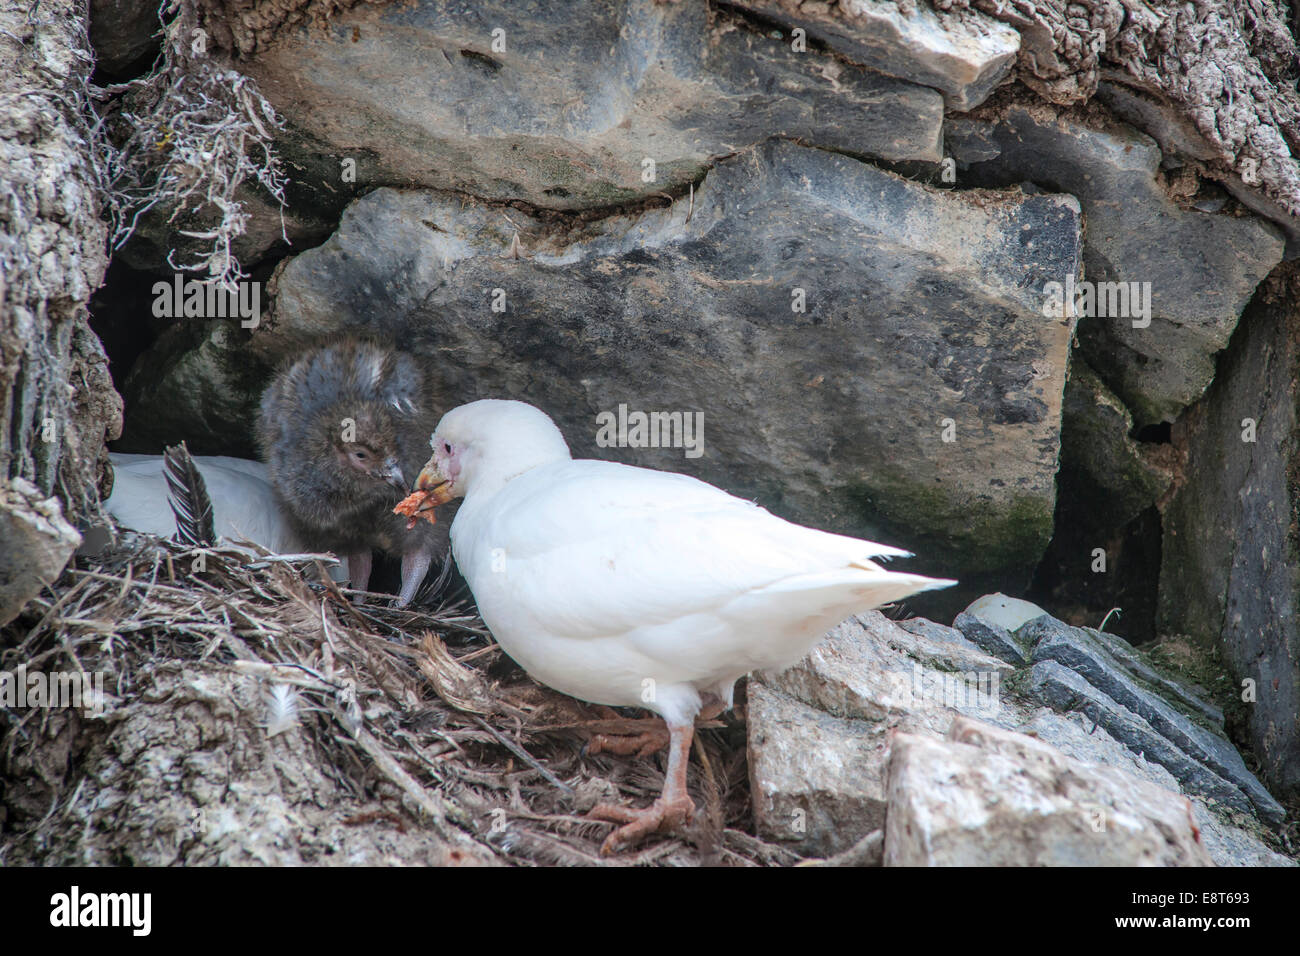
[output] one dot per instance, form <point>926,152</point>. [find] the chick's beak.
<point>392,474</point>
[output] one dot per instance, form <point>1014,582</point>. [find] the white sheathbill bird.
<point>627,586</point>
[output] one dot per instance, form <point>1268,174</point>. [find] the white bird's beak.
<point>435,485</point>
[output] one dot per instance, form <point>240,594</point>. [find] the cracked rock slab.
<point>817,780</point>
<point>1202,267</point>
<point>872,676</point>
<point>990,797</point>
<point>1119,698</point>
<point>819,731</point>
<point>1060,688</point>
<point>1228,579</point>
<point>566,104</point>
<point>964,54</point>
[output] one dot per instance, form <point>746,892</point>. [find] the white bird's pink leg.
<point>415,565</point>
<point>673,808</point>
<point>359,571</point>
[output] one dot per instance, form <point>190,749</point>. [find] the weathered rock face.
<point>824,805</point>
<point>57,404</point>
<point>186,773</point>
<point>568,104</point>
<point>964,54</point>
<point>821,735</point>
<point>867,354</point>
<point>988,797</point>
<point>1229,578</point>
<point>1200,269</point>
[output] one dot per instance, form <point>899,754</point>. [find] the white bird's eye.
<point>446,446</point>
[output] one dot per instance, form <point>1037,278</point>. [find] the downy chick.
<point>344,429</point>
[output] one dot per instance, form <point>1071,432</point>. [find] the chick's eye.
<point>361,455</point>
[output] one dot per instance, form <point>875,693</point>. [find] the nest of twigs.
<point>422,699</point>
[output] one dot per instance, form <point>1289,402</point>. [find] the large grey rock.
<point>921,322</point>
<point>962,53</point>
<point>989,797</point>
<point>801,795</point>
<point>819,733</point>
<point>581,95</point>
<point>1202,267</point>
<point>819,730</point>
<point>1119,697</point>
<point>1228,580</point>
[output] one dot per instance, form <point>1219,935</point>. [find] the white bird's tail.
<point>780,623</point>
<point>863,587</point>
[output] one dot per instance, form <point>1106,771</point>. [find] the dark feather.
<point>445,587</point>
<point>187,494</point>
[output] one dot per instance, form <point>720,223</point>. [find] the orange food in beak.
<point>420,503</point>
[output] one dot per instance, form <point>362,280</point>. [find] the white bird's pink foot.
<point>660,816</point>
<point>673,810</point>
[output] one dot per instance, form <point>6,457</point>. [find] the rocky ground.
<point>253,717</point>
<point>1010,283</point>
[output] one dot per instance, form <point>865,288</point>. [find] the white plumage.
<point>243,505</point>
<point>597,577</point>
<point>628,586</point>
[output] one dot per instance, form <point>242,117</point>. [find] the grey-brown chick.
<point>344,429</point>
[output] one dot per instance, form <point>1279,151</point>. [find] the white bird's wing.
<point>243,504</point>
<point>597,548</point>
